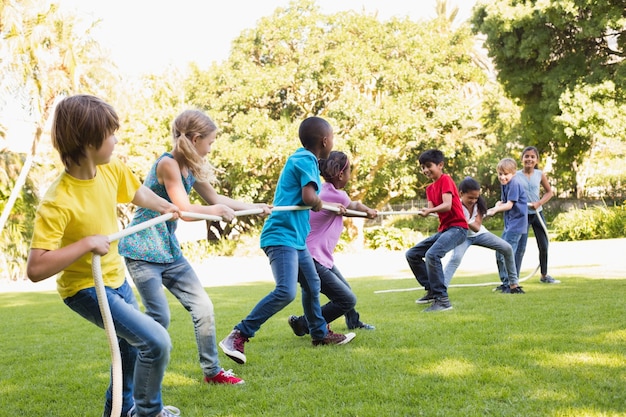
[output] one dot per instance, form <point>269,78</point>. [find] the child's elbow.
<point>34,272</point>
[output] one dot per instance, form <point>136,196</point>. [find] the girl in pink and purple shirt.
<point>326,228</point>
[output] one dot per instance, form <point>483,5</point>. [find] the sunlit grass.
<point>558,350</point>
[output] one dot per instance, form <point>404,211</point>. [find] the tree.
<point>390,89</point>
<point>562,61</point>
<point>43,55</point>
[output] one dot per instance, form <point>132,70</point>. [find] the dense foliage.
<point>391,89</point>
<point>563,62</point>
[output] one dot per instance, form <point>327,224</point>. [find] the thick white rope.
<point>107,318</point>
<point>103,302</point>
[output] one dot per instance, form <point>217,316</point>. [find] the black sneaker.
<point>440,304</point>
<point>298,325</point>
<point>426,299</point>
<point>505,290</point>
<point>516,290</point>
<point>499,288</point>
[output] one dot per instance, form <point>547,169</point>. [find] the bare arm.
<point>358,206</point>
<point>168,174</point>
<point>475,225</point>
<point>499,207</point>
<point>310,197</point>
<point>42,264</point>
<point>208,194</point>
<point>145,197</point>
<point>547,195</point>
<point>446,205</point>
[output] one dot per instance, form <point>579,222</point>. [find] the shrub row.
<point>598,222</point>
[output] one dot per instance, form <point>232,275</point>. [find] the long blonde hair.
<point>186,126</point>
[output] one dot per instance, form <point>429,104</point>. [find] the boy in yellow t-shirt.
<point>72,222</point>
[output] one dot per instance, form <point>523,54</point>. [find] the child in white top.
<point>475,209</point>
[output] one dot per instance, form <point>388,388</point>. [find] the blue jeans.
<point>289,266</point>
<point>514,240</point>
<point>181,280</point>
<point>144,347</point>
<point>425,259</point>
<point>486,240</point>
<point>542,241</point>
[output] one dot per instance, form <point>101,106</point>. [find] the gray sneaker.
<point>440,304</point>
<point>426,299</point>
<point>232,346</point>
<point>549,280</point>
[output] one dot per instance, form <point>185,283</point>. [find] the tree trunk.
<point>21,180</point>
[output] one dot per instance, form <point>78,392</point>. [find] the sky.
<point>150,35</point>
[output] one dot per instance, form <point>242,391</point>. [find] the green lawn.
<point>556,351</point>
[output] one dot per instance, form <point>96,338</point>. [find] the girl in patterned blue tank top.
<point>153,256</point>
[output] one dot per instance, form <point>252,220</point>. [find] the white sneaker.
<point>169,411</point>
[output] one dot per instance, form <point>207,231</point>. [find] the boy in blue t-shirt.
<point>283,239</point>
<point>514,203</point>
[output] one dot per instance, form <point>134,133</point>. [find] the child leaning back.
<point>425,257</point>
<point>73,221</point>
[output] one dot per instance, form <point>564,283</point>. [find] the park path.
<point>589,258</point>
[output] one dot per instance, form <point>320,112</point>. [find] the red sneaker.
<point>333,338</point>
<point>224,377</point>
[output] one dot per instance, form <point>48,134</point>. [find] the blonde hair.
<point>507,165</point>
<point>186,126</point>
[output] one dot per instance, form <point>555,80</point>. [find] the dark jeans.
<point>289,266</point>
<point>342,299</point>
<point>425,259</point>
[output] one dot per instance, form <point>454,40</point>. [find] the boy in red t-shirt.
<point>425,257</point>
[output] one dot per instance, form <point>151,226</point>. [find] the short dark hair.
<point>79,121</point>
<point>312,130</point>
<point>432,155</point>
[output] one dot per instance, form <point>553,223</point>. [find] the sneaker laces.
<point>229,373</point>
<point>239,342</point>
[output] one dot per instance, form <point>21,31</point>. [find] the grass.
<point>555,351</point>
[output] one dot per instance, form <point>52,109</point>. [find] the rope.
<point>107,318</point>
<point>103,303</point>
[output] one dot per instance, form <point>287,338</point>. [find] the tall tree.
<point>391,89</point>
<point>562,61</point>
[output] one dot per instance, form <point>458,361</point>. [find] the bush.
<point>391,238</point>
<point>598,222</point>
